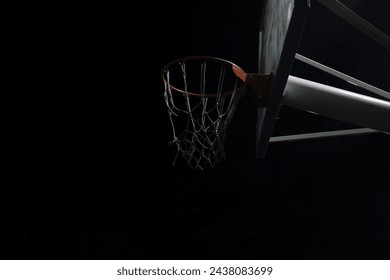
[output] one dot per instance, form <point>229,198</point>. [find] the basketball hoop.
<point>201,94</point>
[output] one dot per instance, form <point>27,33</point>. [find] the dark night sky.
<point>98,180</point>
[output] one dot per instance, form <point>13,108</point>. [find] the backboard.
<point>281,28</point>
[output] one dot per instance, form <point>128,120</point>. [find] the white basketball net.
<point>200,120</point>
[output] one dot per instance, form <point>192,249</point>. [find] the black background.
<point>91,173</point>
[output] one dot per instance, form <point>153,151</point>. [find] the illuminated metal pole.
<point>338,104</point>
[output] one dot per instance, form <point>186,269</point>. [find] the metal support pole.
<point>339,104</point>
<point>325,134</point>
<point>371,31</point>
<point>344,77</point>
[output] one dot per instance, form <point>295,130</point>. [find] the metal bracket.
<point>261,84</point>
